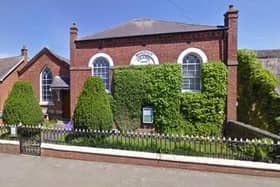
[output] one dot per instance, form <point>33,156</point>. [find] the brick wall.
<point>157,163</point>
<point>32,73</point>
<point>9,148</point>
<point>231,22</point>
<point>166,47</point>
<point>7,85</point>
<point>218,45</point>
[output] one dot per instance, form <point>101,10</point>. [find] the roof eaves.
<point>11,70</point>
<point>143,35</point>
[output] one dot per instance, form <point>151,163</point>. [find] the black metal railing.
<point>8,132</point>
<point>227,148</point>
<point>239,149</point>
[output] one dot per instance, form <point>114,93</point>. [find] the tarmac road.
<point>30,171</point>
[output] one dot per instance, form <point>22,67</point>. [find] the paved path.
<point>29,171</point>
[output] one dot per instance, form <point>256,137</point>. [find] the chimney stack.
<point>24,53</point>
<point>73,37</point>
<point>231,39</point>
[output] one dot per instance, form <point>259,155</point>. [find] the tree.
<point>22,106</point>
<point>93,109</point>
<point>258,102</point>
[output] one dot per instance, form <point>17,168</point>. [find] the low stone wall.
<point>161,160</point>
<point>9,146</point>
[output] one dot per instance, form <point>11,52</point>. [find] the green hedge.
<point>203,112</point>
<point>258,102</point>
<point>199,113</point>
<point>93,109</point>
<point>22,106</point>
<point>157,86</point>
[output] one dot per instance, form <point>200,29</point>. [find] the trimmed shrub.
<point>22,106</point>
<point>203,112</point>
<point>93,109</point>
<point>156,86</point>
<point>258,102</point>
<point>197,113</point>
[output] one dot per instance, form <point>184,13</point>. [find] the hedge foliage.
<point>22,106</point>
<point>198,113</point>
<point>93,109</point>
<point>203,112</point>
<point>258,102</point>
<point>156,86</point>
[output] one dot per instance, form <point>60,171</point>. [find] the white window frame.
<point>134,60</point>
<point>40,83</point>
<point>196,51</point>
<point>111,64</point>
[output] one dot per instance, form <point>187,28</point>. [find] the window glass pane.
<point>101,69</point>
<point>191,72</point>
<point>46,80</point>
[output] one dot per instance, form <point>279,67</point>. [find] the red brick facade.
<point>32,71</point>
<point>41,60</point>
<point>218,45</point>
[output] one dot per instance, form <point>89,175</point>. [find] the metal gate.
<point>30,140</point>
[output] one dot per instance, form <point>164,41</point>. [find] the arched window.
<point>100,64</point>
<point>144,58</point>
<point>190,61</point>
<point>46,79</point>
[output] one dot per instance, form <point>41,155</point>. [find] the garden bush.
<point>257,150</point>
<point>258,102</point>
<point>22,106</point>
<point>198,113</point>
<point>93,110</point>
<point>203,112</point>
<point>138,86</point>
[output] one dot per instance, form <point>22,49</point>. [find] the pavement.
<point>31,171</point>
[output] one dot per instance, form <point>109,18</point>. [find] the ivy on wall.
<point>258,102</point>
<point>203,112</point>
<point>137,86</point>
<point>198,113</point>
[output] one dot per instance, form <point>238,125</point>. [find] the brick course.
<point>9,148</point>
<point>158,163</point>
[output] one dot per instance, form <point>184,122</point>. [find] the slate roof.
<point>45,50</point>
<point>269,53</point>
<point>8,64</point>
<point>60,57</point>
<point>60,82</point>
<point>142,27</point>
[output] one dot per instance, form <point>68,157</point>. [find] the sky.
<point>45,23</point>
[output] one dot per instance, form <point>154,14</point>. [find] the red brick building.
<point>137,42</point>
<point>8,75</point>
<point>49,75</point>
<point>148,41</point>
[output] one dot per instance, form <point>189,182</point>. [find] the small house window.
<point>100,64</point>
<point>191,72</point>
<point>46,80</point>
<point>190,61</point>
<point>101,68</point>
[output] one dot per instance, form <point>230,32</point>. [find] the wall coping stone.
<point>165,157</point>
